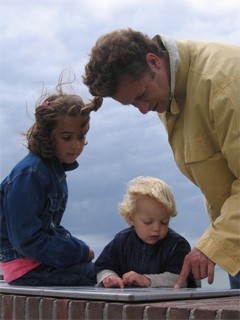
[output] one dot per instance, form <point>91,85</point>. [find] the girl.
<point>35,249</point>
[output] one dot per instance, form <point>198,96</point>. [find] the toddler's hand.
<point>134,278</point>
<point>112,282</point>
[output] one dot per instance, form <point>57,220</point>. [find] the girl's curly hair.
<point>47,113</point>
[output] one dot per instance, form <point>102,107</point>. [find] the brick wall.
<point>19,307</point>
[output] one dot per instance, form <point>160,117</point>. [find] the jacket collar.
<point>61,168</point>
<point>170,45</point>
<point>141,243</point>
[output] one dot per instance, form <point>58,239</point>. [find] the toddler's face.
<point>69,136</point>
<point>151,220</point>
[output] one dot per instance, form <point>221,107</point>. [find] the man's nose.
<point>142,106</point>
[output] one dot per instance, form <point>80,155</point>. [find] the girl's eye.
<point>66,138</point>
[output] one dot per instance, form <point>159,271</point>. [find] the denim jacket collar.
<point>60,168</point>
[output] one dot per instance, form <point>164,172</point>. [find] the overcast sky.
<point>41,38</point>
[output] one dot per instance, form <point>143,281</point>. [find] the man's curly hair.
<point>115,54</point>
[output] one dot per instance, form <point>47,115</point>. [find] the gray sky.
<point>41,38</point>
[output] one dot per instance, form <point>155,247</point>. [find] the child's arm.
<point>108,262</point>
<point>178,247</point>
<point>109,279</point>
<point>166,279</point>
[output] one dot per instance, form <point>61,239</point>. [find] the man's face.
<point>149,93</point>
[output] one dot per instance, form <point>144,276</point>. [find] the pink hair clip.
<point>45,103</point>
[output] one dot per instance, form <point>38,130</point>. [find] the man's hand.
<point>200,266</point>
<point>134,278</point>
<point>113,282</point>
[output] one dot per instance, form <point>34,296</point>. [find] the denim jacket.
<point>33,200</point>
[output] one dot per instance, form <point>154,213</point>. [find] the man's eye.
<point>141,96</point>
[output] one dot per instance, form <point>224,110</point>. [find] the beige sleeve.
<point>166,279</point>
<point>104,274</point>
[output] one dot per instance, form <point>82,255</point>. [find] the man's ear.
<point>154,62</point>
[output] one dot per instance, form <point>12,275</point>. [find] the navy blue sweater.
<point>127,252</point>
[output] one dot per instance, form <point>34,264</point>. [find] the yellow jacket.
<point>203,126</point>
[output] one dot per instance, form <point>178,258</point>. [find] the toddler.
<point>148,253</point>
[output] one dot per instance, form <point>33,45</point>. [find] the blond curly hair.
<point>146,186</point>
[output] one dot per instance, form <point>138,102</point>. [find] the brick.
<point>230,315</point>
<point>60,309</point>
<point>203,314</point>
<point>76,310</point>
<point>178,313</point>
<point>46,310</point>
<point>156,313</point>
<point>19,307</point>
<point>7,304</point>
<point>210,307</point>
<point>113,311</point>
<point>1,306</point>
<point>32,308</point>
<point>96,310</point>
<point>133,312</point>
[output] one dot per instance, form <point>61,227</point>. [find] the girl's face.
<point>69,138</point>
<point>150,220</point>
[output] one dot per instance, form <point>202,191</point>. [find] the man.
<point>194,88</point>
